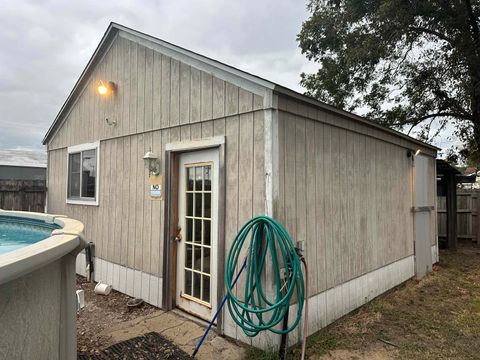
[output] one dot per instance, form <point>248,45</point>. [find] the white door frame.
<point>204,303</point>
<point>171,171</point>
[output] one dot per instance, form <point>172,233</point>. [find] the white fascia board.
<point>218,69</point>
<point>195,144</point>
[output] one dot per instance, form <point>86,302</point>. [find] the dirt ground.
<point>102,313</point>
<point>437,317</point>
<point>108,329</point>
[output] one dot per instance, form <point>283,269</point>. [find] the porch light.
<point>152,163</point>
<point>104,89</point>
<point>411,154</point>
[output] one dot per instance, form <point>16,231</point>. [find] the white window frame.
<point>76,149</point>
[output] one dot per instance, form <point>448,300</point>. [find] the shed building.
<point>230,146</point>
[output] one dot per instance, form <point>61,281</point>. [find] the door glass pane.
<point>189,236</point>
<point>198,232</point>
<point>190,178</point>
<point>188,256</point>
<point>206,288</point>
<point>188,282</point>
<point>206,260</point>
<point>207,205</point>
<point>89,173</point>
<point>198,177</point>
<point>206,232</point>
<point>196,285</point>
<point>197,258</point>
<point>198,204</point>
<point>189,204</point>
<point>208,181</point>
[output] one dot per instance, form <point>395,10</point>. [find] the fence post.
<point>477,211</point>
<point>451,211</point>
<point>22,196</point>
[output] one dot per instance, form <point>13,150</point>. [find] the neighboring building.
<point>473,173</point>
<point>351,190</point>
<point>23,165</point>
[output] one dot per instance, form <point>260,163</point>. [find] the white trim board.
<point>435,254</point>
<point>199,144</point>
<point>78,149</point>
<point>328,306</point>
<point>128,281</point>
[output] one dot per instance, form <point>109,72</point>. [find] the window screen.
<point>82,174</point>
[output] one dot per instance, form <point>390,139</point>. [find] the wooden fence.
<point>23,195</point>
<point>468,203</point>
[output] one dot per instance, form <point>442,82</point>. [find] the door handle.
<point>178,237</point>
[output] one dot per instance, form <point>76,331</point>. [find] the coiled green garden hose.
<point>258,310</point>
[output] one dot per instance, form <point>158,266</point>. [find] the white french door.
<point>196,288</point>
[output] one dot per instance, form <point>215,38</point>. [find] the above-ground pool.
<point>37,285</point>
<point>17,232</point>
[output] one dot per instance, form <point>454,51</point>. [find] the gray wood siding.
<point>159,100</point>
<point>127,226</point>
<point>344,192</point>
<point>154,92</point>
<point>344,187</point>
<point>335,118</point>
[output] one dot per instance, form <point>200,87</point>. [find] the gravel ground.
<point>101,313</point>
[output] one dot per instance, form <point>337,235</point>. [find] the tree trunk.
<point>476,117</point>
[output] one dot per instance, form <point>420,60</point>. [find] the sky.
<point>46,45</point>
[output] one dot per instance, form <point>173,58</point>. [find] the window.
<point>82,184</point>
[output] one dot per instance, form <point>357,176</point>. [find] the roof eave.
<point>114,28</point>
<point>309,100</point>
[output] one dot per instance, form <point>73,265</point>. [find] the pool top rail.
<point>68,239</point>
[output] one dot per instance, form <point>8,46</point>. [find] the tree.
<point>407,64</point>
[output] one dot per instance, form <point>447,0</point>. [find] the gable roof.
<point>248,81</point>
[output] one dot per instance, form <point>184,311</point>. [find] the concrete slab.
<point>184,332</point>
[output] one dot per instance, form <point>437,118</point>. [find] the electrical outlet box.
<point>301,245</point>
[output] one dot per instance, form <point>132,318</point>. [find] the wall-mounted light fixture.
<point>152,163</point>
<point>110,122</point>
<point>106,88</point>
<point>411,154</point>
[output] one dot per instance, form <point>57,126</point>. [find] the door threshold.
<point>193,318</point>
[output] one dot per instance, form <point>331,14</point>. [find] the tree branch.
<point>419,29</point>
<point>473,22</point>
<point>444,114</point>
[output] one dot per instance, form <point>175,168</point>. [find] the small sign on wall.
<point>156,187</point>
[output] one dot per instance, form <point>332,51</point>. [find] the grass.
<point>319,343</point>
<point>258,354</point>
<point>437,317</point>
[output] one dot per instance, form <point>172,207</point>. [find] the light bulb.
<point>102,89</point>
